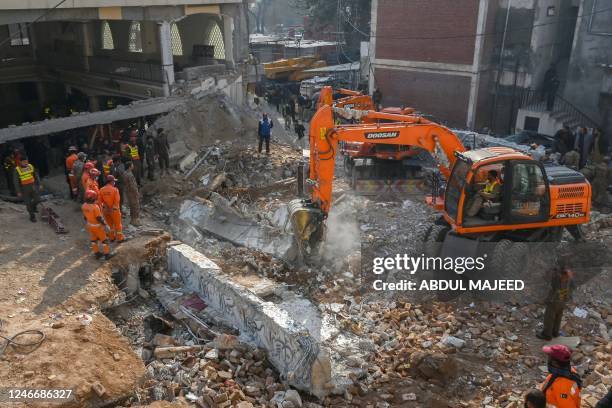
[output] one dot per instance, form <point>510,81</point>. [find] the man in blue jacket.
<point>264,131</point>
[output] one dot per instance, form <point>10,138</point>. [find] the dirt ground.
<point>52,283</point>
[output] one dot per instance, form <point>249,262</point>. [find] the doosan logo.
<point>382,135</point>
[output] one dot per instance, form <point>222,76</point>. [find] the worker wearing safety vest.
<point>563,384</point>
<point>95,225</point>
<point>70,160</point>
<point>490,193</point>
<point>27,184</point>
<point>135,156</point>
<point>111,209</point>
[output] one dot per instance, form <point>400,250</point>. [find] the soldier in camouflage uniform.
<point>130,188</point>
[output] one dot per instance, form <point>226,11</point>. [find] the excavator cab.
<point>532,197</point>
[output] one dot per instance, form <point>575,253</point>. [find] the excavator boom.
<point>324,138</point>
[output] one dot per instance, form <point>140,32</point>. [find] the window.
<point>215,38</point>
<point>135,38</point>
<point>177,43</point>
<point>528,191</point>
<point>454,187</point>
<point>108,43</point>
<point>18,34</point>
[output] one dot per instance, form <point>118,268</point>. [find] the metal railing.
<point>144,71</point>
<point>537,101</point>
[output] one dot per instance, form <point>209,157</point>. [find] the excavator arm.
<point>405,130</point>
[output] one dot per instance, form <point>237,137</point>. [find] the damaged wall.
<point>291,349</point>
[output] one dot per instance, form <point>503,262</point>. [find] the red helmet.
<point>91,195</point>
<point>559,352</point>
<point>110,178</point>
<point>88,166</point>
<point>94,172</point>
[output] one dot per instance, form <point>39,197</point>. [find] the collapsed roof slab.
<point>138,109</point>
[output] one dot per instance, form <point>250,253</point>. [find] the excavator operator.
<point>491,193</point>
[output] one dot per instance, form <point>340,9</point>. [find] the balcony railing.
<point>536,101</point>
<point>143,71</point>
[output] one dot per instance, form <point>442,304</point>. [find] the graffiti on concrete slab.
<point>290,348</point>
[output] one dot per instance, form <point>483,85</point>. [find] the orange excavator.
<point>535,202</point>
<point>374,169</point>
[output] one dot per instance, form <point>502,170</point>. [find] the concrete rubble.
<point>304,346</point>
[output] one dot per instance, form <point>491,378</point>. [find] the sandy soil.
<point>49,282</point>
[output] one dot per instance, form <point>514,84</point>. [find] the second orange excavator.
<point>374,169</point>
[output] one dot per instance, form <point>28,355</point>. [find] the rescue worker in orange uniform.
<point>563,384</point>
<point>111,209</point>
<point>92,181</point>
<point>84,178</point>
<point>95,225</point>
<point>70,160</point>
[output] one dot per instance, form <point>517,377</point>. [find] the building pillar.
<point>94,103</point>
<point>228,37</point>
<point>481,27</point>
<point>42,94</point>
<point>87,46</point>
<point>372,50</point>
<point>167,62</point>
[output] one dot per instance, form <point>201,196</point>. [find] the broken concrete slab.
<point>302,339</point>
<point>217,217</point>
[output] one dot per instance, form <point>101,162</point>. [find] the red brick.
<point>444,96</point>
<point>401,22</point>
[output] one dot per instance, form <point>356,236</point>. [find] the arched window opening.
<point>108,43</point>
<point>177,42</point>
<point>215,38</point>
<point>135,39</point>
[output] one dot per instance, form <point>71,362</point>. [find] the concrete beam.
<point>298,356</point>
<point>71,4</point>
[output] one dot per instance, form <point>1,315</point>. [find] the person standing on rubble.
<point>27,184</point>
<point>130,188</point>
<point>265,131</point>
<point>111,209</point>
<point>135,156</point>
<point>562,386</point>
<point>562,287</point>
<point>77,173</point>
<point>162,148</point>
<point>299,130</point>
<point>150,158</point>
<point>95,225</point>
<point>70,160</point>
<point>583,143</point>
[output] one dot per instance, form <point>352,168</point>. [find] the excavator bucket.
<point>307,226</point>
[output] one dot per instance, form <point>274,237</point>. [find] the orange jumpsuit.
<point>111,210</point>
<point>71,177</point>
<point>562,393</point>
<point>84,179</point>
<point>91,184</point>
<point>97,233</point>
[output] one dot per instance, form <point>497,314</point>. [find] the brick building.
<point>471,63</point>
